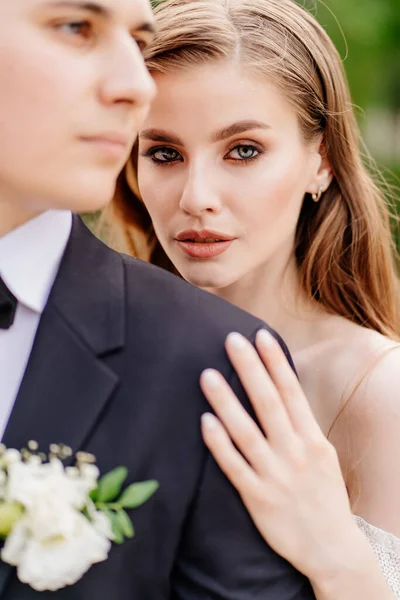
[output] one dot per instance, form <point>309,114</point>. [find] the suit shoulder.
<point>169,298</point>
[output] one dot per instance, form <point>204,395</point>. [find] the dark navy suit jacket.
<point>114,371</point>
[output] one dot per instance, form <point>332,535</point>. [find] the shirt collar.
<point>31,254</point>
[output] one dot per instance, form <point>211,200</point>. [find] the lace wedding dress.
<point>387,549</point>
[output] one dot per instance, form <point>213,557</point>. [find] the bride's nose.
<point>200,193</point>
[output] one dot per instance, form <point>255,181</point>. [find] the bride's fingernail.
<point>265,338</point>
<point>211,378</point>
<point>209,422</point>
<point>236,340</point>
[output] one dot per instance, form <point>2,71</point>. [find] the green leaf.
<point>94,494</point>
<point>110,485</point>
<point>125,523</point>
<point>116,527</point>
<point>137,494</point>
<point>10,514</point>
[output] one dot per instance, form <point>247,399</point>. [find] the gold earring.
<point>317,197</point>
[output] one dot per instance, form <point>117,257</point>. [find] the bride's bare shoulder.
<point>348,362</point>
<point>373,370</point>
<point>355,348</point>
<point>365,430</point>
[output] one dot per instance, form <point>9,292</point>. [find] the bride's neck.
<point>273,294</point>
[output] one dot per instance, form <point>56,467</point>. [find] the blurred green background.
<point>367,35</point>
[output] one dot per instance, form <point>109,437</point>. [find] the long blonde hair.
<point>344,247</point>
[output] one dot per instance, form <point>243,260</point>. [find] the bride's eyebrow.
<point>159,135</point>
<point>238,128</point>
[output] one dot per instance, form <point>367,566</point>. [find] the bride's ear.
<point>322,172</point>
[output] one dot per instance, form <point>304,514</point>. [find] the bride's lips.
<point>203,244</point>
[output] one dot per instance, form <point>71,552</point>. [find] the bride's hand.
<point>288,474</point>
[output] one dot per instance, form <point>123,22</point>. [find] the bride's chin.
<point>206,281</point>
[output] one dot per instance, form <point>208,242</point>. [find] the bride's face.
<point>223,170</point>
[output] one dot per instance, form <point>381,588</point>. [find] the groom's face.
<point>73,92</point>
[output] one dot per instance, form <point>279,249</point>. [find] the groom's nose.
<point>125,77</point>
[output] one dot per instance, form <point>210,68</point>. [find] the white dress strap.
<point>387,549</point>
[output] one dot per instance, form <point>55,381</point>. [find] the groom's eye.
<point>77,30</point>
<point>142,44</point>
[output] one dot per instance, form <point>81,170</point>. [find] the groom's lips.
<point>110,142</point>
<point>203,244</point>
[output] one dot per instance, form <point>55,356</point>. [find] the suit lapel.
<point>66,385</point>
<point>63,390</point>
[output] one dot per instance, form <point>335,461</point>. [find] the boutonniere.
<point>58,521</point>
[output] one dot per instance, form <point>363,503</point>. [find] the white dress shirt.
<point>29,260</point>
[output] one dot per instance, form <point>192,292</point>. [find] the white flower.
<point>3,484</point>
<point>89,475</point>
<point>9,457</point>
<point>54,544</point>
<point>102,524</point>
<point>53,527</point>
<point>30,482</point>
<point>50,562</point>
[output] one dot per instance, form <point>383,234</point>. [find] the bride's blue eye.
<point>244,152</point>
<point>163,155</point>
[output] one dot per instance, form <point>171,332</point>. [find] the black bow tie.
<point>8,306</point>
